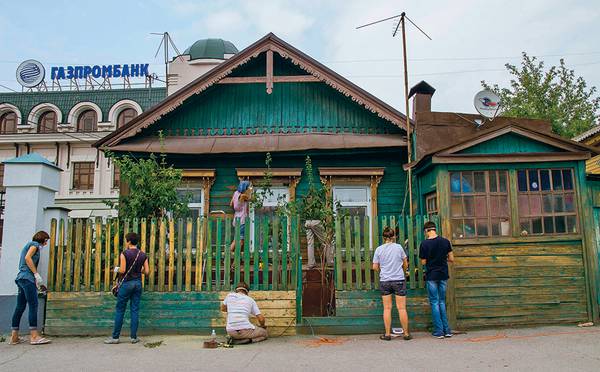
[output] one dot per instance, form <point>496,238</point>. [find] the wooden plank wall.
<point>89,313</point>
<point>360,312</point>
<point>519,284</point>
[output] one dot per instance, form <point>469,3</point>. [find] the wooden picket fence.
<point>184,254</point>
<point>354,249</point>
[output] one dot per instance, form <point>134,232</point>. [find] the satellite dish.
<point>487,104</point>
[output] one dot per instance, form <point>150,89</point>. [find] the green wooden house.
<point>512,197</point>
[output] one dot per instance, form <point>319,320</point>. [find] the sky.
<point>471,40</point>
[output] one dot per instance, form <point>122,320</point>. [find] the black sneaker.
<point>441,337</point>
<point>448,335</point>
<point>407,337</point>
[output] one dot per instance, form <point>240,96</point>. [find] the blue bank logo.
<point>30,73</point>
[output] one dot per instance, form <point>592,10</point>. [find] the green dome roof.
<point>210,49</point>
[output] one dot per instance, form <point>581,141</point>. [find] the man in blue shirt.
<point>435,252</point>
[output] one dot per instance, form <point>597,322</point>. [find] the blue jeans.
<point>28,295</point>
<point>437,299</point>
<point>129,290</point>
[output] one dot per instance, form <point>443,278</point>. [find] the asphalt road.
<point>565,348</point>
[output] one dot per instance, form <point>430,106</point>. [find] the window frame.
<point>552,193</point>
<point>488,197</point>
<point>367,203</point>
<point>3,119</point>
<point>121,115</point>
<point>42,128</point>
<point>80,119</point>
<point>435,211</point>
<point>116,171</point>
<point>76,165</point>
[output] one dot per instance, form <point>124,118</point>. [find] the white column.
<point>31,182</point>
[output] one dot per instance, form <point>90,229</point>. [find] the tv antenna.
<point>165,42</point>
<point>402,25</point>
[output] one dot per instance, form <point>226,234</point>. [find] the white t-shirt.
<point>390,257</point>
<point>239,309</point>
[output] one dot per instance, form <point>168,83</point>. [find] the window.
<point>431,207</point>
<point>192,190</point>
<point>8,123</point>
<point>354,201</point>
<point>116,177</point>
<point>125,116</point>
<point>1,177</point>
<point>546,200</point>
<point>87,121</point>
<point>270,203</point>
<point>47,122</point>
<point>479,204</point>
<point>83,176</point>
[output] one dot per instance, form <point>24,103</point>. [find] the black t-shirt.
<point>435,251</point>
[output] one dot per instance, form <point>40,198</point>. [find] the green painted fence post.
<point>265,252</point>
<point>227,251</point>
<point>218,256</point>
<point>339,272</point>
<point>256,245</point>
<point>367,254</point>
<point>419,232</point>
<point>348,245</point>
<point>209,255</point>
<point>247,252</point>
<point>357,253</point>
<point>284,253</point>
<point>179,265</point>
<point>238,252</point>
<point>375,245</point>
<point>411,249</point>
<point>299,292</point>
<point>275,258</point>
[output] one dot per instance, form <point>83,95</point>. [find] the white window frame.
<point>366,203</point>
<point>266,203</point>
<point>196,205</point>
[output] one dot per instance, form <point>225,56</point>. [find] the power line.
<point>457,58</point>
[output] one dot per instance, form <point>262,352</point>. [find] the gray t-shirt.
<point>390,256</point>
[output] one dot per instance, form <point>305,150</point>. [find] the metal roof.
<point>65,100</point>
<point>210,49</point>
<point>587,134</point>
<point>32,158</point>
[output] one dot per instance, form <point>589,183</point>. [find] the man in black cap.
<point>239,307</point>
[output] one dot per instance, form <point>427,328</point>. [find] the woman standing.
<point>28,280</point>
<point>391,262</point>
<point>241,208</point>
<point>132,262</point>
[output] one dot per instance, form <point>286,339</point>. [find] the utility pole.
<point>401,24</point>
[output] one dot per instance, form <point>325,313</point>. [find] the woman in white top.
<point>391,262</point>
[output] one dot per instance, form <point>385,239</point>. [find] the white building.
<point>62,126</point>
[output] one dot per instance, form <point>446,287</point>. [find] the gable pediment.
<point>288,75</point>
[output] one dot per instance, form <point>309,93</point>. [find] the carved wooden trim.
<point>275,172</point>
<point>207,179</point>
<point>263,79</point>
<point>199,173</point>
<point>346,171</point>
<point>269,71</point>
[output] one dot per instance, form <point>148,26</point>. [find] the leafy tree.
<point>152,187</point>
<point>556,95</point>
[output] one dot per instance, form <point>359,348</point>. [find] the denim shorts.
<point>397,287</point>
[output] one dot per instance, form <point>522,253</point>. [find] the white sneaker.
<point>111,341</point>
<point>135,340</point>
